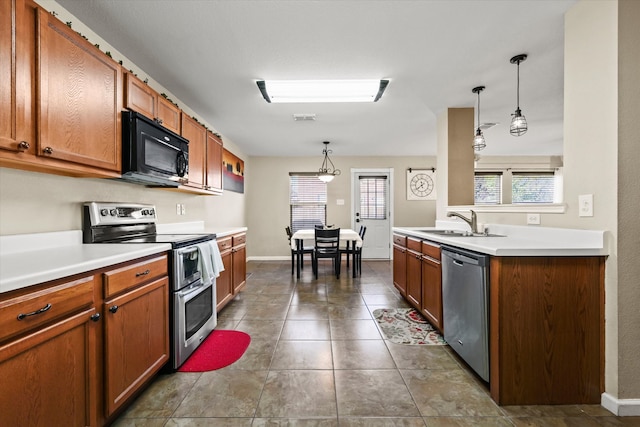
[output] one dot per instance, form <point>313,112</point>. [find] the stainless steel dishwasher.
<point>465,301</point>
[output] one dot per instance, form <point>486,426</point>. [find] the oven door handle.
<point>192,291</point>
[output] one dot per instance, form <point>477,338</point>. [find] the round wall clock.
<point>420,185</point>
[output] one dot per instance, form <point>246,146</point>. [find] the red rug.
<point>221,348</point>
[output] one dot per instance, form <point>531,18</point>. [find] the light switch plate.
<point>183,209</point>
<point>585,205</point>
<point>339,202</point>
<point>178,209</point>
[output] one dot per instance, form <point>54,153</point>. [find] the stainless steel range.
<point>193,267</point>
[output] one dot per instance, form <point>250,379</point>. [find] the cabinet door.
<point>140,97</point>
<point>80,98</point>
<point>214,163</point>
<point>168,114</point>
<point>136,340</point>
<point>197,136</point>
<point>414,279</point>
<point>49,377</point>
<point>224,289</point>
<point>432,292</point>
<point>17,50</point>
<point>239,260</point>
<point>400,269</point>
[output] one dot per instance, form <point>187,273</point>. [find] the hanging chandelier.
<point>327,171</point>
<point>518,122</point>
<point>478,141</point>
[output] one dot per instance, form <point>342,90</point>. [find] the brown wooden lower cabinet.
<point>547,330</point>
<point>224,289</point>
<point>73,351</point>
<point>233,279</point>
<point>400,264</point>
<point>431,307</point>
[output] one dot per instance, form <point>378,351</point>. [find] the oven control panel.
<point>118,213</point>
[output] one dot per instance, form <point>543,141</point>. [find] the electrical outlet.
<point>183,208</point>
<point>533,218</point>
<point>585,205</point>
<point>178,209</point>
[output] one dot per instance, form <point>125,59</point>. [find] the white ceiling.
<point>209,54</point>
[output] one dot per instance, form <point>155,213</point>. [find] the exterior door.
<point>371,192</point>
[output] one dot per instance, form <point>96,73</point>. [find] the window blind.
<point>488,188</point>
<point>532,187</point>
<point>373,197</point>
<point>307,200</point>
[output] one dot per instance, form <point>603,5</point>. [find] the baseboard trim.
<point>621,407</point>
<point>269,258</point>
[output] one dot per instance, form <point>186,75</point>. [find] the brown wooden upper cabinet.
<point>61,97</point>
<point>197,136</point>
<point>139,97</point>
<point>80,98</point>
<point>214,163</point>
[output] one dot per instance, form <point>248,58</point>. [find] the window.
<point>373,197</point>
<point>532,187</point>
<point>488,188</point>
<point>307,200</point>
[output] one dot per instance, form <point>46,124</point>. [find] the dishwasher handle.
<point>463,256</point>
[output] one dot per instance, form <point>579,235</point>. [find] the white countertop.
<point>30,259</point>
<point>519,240</point>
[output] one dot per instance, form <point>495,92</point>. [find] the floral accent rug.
<point>406,326</point>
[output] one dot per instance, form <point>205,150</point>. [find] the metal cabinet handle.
<point>48,150</point>
<point>144,273</point>
<point>33,313</point>
<point>23,145</point>
<point>95,317</point>
<point>159,121</point>
<point>113,308</point>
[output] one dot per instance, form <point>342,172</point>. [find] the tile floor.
<point>317,358</point>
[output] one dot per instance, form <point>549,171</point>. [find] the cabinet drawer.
<point>431,249</point>
<point>132,275</point>
<point>414,244</point>
<point>224,244</point>
<point>239,239</point>
<point>399,240</point>
<point>22,313</point>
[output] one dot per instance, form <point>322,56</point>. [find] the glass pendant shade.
<point>478,141</point>
<point>518,124</point>
<point>326,177</point>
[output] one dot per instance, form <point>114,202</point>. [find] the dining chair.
<point>327,245</point>
<point>357,256</point>
<point>305,250</point>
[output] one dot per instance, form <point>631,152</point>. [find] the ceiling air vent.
<point>304,117</point>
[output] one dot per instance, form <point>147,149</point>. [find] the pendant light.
<point>478,141</point>
<point>518,122</point>
<point>327,171</point>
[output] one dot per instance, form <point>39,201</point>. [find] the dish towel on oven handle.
<point>211,261</point>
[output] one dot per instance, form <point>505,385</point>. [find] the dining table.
<point>349,237</point>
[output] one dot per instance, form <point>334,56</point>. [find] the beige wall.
<point>628,200</point>
<point>268,197</point>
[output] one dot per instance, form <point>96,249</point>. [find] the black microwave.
<point>152,154</point>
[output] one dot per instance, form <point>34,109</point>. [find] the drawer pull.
<point>144,273</point>
<point>33,313</point>
<point>113,308</point>
<point>95,317</point>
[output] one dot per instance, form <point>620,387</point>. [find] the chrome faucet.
<point>473,222</point>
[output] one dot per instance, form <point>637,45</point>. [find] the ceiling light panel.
<point>293,91</point>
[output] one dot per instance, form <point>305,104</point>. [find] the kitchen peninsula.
<point>545,306</point>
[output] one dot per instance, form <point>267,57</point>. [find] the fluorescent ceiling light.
<point>322,90</point>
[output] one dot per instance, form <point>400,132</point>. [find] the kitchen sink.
<point>458,233</point>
